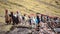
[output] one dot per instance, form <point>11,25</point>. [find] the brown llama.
<point>7,17</point>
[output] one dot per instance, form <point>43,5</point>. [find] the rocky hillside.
<point>48,7</point>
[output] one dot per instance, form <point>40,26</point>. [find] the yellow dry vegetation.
<point>48,7</point>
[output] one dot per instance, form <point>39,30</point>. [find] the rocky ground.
<point>18,29</point>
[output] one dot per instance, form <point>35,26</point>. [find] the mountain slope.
<point>48,7</point>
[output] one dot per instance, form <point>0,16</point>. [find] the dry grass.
<point>31,6</point>
<point>5,28</point>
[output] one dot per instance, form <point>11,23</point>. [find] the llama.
<point>7,17</point>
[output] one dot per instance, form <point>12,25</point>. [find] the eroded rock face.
<point>20,31</point>
<point>2,32</point>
